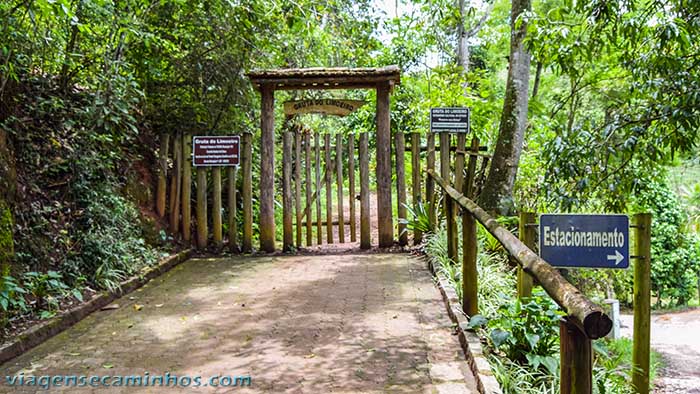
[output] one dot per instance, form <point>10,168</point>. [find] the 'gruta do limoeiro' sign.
<point>449,120</point>
<point>322,106</point>
<point>597,241</point>
<point>216,151</point>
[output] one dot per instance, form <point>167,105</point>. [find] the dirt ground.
<point>299,324</point>
<point>676,336</point>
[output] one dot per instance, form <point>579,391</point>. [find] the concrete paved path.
<point>301,324</point>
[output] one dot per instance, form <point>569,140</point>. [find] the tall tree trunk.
<point>497,195</point>
<point>462,39</point>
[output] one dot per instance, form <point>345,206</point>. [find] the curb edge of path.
<point>471,344</point>
<point>38,334</point>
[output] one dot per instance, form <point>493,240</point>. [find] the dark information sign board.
<point>216,151</point>
<point>596,241</point>
<point>449,120</point>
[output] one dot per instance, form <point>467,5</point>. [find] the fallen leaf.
<point>310,355</point>
<point>159,305</point>
<point>108,366</point>
<point>110,307</point>
<point>138,307</point>
<point>74,354</point>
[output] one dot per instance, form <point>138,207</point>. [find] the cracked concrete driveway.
<point>300,324</point>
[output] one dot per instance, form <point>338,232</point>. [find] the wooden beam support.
<point>448,206</point>
<point>267,169</point>
<point>383,153</point>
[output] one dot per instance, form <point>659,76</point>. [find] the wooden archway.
<point>268,81</point>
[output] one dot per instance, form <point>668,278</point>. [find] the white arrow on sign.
<point>618,257</point>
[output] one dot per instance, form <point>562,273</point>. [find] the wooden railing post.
<point>247,166</point>
<point>526,233</point>
<point>317,162</point>
<point>576,373</point>
<point>448,204</point>
<point>430,197</point>
<point>162,174</point>
<point>309,187</point>
<point>470,278</point>
<point>202,230</point>
<point>329,191</point>
<point>267,169</point>
<point>216,207</point>
<point>339,183</point>
<point>400,147</point>
<point>187,188</point>
<point>232,209</point>
<point>351,187</point>
<point>416,181</point>
<point>287,236</point>
<point>642,304</point>
<point>365,234</point>
<point>297,183</point>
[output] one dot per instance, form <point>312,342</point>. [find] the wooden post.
<point>202,230</point>
<point>339,177</point>
<point>576,374</point>
<point>400,145</point>
<point>177,178</point>
<point>470,276</point>
<point>416,181</point>
<point>448,204</point>
<point>329,192</point>
<point>287,237</point>
<point>319,226</point>
<point>172,195</point>
<point>216,209</point>
<point>232,209</point>
<point>470,187</point>
<point>187,188</point>
<point>384,211</point>
<point>307,167</point>
<point>351,185</point>
<point>642,304</point>
<point>365,233</point>
<point>297,184</point>
<point>267,169</point>
<point>247,159</point>
<point>162,174</point>
<point>459,161</point>
<point>430,197</point>
<point>526,233</point>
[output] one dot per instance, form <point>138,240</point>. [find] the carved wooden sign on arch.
<point>326,106</point>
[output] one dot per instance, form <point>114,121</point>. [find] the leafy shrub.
<point>11,295</point>
<point>527,332</point>
<point>419,219</point>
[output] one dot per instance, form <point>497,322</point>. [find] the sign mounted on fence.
<point>322,106</point>
<point>216,151</point>
<point>449,120</point>
<point>595,241</point>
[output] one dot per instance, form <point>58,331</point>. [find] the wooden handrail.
<point>591,317</point>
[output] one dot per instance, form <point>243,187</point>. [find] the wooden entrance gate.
<point>267,82</point>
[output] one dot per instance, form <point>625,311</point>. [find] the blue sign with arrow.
<point>575,240</point>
